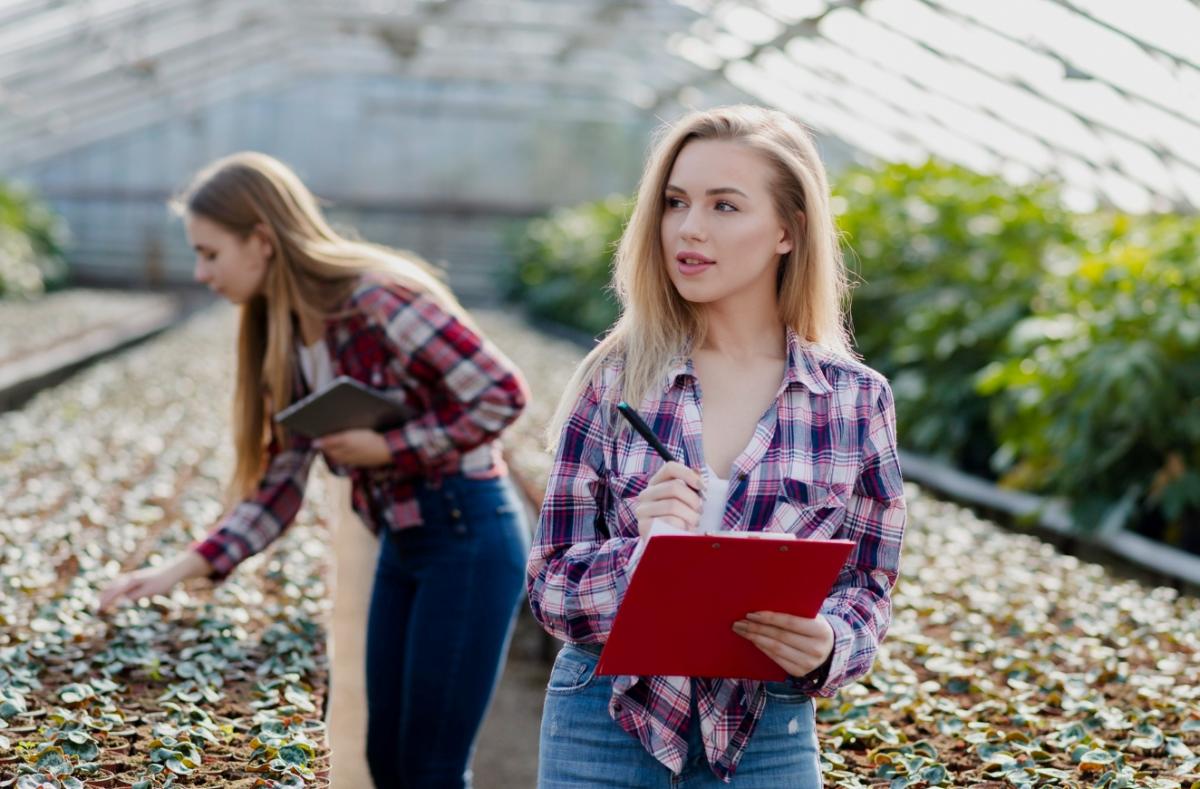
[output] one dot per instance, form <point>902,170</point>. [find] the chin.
<point>693,293</point>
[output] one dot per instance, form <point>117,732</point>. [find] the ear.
<point>786,242</point>
<point>263,242</point>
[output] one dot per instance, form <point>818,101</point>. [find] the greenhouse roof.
<point>1103,94</point>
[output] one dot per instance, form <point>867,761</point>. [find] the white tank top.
<point>713,511</point>
<point>316,364</point>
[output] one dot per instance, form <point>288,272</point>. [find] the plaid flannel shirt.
<point>402,342</point>
<point>821,464</point>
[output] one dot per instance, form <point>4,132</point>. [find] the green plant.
<point>563,264</point>
<point>1096,395</point>
<point>949,261</point>
<point>31,241</point>
<point>178,756</point>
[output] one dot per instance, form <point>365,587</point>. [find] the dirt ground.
<point>506,756</point>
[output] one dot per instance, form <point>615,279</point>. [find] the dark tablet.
<point>344,404</point>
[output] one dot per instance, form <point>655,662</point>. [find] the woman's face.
<point>721,235</point>
<point>229,265</point>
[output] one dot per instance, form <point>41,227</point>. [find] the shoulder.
<point>847,375</point>
<point>380,297</point>
<point>609,365</point>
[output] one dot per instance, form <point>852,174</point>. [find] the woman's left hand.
<point>797,644</point>
<point>355,448</point>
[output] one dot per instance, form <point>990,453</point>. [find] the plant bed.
<point>45,339</point>
<point>1008,663</point>
<point>123,465</point>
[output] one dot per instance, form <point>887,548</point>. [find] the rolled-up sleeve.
<point>859,607</point>
<point>257,521</point>
<point>577,574</point>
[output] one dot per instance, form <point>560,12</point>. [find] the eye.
<point>674,202</point>
<point>725,206</point>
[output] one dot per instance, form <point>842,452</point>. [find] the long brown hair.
<point>656,322</point>
<point>312,273</point>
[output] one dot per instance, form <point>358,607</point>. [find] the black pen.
<point>645,431</point>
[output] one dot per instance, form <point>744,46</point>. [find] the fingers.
<point>673,489</point>
<point>675,494</point>
<point>798,644</point>
<point>673,510</point>
<point>794,662</point>
<point>805,626</point>
<point>675,470</point>
<point>122,587</point>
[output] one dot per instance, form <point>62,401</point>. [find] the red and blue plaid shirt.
<point>822,464</point>
<point>402,342</point>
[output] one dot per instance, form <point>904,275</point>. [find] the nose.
<point>693,228</point>
<point>200,273</point>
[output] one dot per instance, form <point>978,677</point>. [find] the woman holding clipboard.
<point>732,343</point>
<point>315,305</point>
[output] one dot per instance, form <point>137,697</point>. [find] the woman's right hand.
<point>150,581</point>
<point>674,494</point>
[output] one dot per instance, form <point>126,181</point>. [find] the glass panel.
<point>747,23</point>
<point>1168,24</point>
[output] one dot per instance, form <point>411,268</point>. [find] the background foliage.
<point>563,264</point>
<point>31,242</point>
<point>1054,351</point>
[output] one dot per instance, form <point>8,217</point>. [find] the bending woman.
<point>314,306</point>
<point>732,343</point>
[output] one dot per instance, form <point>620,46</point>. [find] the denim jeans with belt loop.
<point>441,616</point>
<point>581,745</point>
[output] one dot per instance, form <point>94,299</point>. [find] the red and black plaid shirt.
<point>402,342</point>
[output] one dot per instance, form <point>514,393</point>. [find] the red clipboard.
<point>678,612</point>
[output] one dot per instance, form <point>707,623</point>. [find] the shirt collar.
<point>802,367</point>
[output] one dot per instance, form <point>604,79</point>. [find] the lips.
<point>694,258</point>
<point>692,264</point>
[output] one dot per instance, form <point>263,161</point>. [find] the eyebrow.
<point>720,190</point>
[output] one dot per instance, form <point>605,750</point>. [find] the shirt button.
<point>742,477</point>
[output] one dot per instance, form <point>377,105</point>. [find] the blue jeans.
<point>441,615</point>
<point>581,746</point>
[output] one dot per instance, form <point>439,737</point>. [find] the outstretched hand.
<point>150,581</point>
<point>146,582</point>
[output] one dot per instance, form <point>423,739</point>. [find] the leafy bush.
<point>1097,392</point>
<point>563,264</point>
<point>949,261</point>
<point>1054,350</point>
<point>31,241</point>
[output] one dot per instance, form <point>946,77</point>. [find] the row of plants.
<point>30,326</point>
<point>1053,351</point>
<point>223,686</point>
<point>31,244</point>
<point>1007,664</point>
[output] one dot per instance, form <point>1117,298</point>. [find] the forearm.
<point>455,429</point>
<point>574,594</point>
<point>187,565</point>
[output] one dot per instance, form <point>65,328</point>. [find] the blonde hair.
<point>656,323</point>
<point>312,272</point>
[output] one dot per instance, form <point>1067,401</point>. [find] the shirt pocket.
<point>624,490</point>
<point>809,510</point>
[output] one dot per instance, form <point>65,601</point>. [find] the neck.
<point>311,329</point>
<point>743,334</point>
